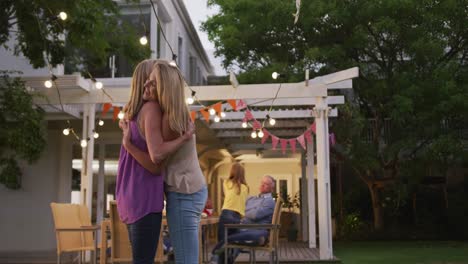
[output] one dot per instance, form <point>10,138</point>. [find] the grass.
<point>402,252</point>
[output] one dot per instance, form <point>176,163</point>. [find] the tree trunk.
<point>376,206</point>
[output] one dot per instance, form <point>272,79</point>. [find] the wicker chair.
<point>271,245</point>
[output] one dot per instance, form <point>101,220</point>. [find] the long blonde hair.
<point>140,75</point>
<point>170,90</point>
<point>237,176</point>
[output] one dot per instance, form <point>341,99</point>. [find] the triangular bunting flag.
<point>266,134</point>
<point>292,142</point>
<point>274,141</point>
<point>116,112</point>
<point>217,107</point>
<point>308,136</point>
<point>241,105</point>
<point>301,141</point>
<point>193,115</point>
<point>205,114</point>
<point>332,139</point>
<point>232,102</point>
<point>256,125</point>
<point>105,108</point>
<point>248,115</point>
<point>313,127</point>
<point>283,142</point>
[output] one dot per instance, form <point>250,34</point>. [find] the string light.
<point>223,114</point>
<point>62,15</point>
<point>96,134</point>
<point>190,100</point>
<point>217,119</point>
<point>99,85</point>
<point>66,131</point>
<point>260,134</point>
<point>143,40</point>
<point>84,143</point>
<point>173,62</point>
<point>121,115</point>
<point>254,134</point>
<point>272,121</point>
<point>212,111</point>
<point>49,83</point>
<point>275,75</point>
<point>101,122</point>
<point>244,124</point>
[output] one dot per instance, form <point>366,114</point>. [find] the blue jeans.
<point>226,217</point>
<point>242,237</point>
<point>144,238</point>
<point>183,216</point>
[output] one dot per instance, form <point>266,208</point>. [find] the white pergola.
<point>77,91</point>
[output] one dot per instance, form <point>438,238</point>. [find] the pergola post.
<point>87,156</point>
<point>323,179</point>
<point>311,195</point>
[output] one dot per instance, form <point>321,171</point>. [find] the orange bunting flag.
<point>233,104</point>
<point>116,112</point>
<point>193,115</point>
<point>105,108</point>
<point>205,114</point>
<point>217,107</point>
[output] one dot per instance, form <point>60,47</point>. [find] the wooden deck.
<point>290,252</point>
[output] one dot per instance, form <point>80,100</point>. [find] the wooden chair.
<point>121,249</point>
<point>73,229</point>
<point>271,245</point>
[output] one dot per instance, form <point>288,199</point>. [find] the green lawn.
<point>402,252</point>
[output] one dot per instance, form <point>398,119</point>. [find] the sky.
<point>199,13</point>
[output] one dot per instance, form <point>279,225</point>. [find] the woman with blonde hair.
<point>139,188</point>
<point>185,185</point>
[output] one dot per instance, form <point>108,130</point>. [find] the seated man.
<point>258,210</point>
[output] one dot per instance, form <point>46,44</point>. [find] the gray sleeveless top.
<point>183,173</point>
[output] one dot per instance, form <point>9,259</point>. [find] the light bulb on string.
<point>254,134</point>
<point>101,122</point>
<point>96,134</point>
<point>48,84</point>
<point>275,75</point>
<point>244,124</point>
<point>62,15</point>
<point>99,85</point>
<point>272,121</point>
<point>189,100</point>
<point>260,134</point>
<point>143,40</point>
<point>173,62</point>
<point>66,131</point>
<point>217,119</point>
<point>223,114</point>
<point>84,143</point>
<point>212,111</point>
<point>121,115</point>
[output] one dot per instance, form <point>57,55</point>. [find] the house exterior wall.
<point>26,222</point>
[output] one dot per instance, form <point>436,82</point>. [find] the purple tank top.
<point>138,191</point>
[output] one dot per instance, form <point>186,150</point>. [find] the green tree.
<point>411,98</point>
<point>92,31</point>
<point>22,134</point>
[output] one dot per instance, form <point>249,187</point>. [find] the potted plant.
<point>291,217</point>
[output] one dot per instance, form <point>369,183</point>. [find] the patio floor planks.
<point>289,252</point>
